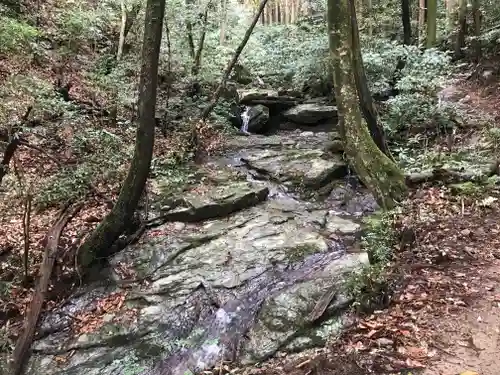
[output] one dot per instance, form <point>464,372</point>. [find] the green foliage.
<point>20,91</point>
<point>379,237</point>
<point>370,285</point>
<point>80,26</point>
<point>418,83</point>
<point>16,36</point>
<point>100,153</point>
<point>65,186</point>
<point>118,80</point>
<point>289,51</point>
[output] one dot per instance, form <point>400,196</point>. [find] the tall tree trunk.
<point>462,29</point>
<point>406,18</point>
<point>431,23</point>
<point>121,41</point>
<point>369,18</point>
<point>365,96</point>
<point>378,172</point>
<point>113,225</point>
<point>451,13</point>
<point>422,10</point>
<point>476,13</point>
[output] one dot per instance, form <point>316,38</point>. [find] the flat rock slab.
<point>200,289</point>
<point>214,201</point>
<point>307,168</point>
<point>310,113</point>
<point>286,317</point>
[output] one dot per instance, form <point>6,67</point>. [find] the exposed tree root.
<point>448,175</point>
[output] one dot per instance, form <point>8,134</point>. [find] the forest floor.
<point>444,318</point>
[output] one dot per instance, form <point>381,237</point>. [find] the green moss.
<point>299,252</point>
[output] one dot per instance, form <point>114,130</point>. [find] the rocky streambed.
<point>241,268</point>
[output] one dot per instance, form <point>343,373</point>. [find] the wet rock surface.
<point>240,268</point>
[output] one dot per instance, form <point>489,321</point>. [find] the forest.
<point>249,187</point>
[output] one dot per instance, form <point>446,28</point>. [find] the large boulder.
<point>299,168</point>
<point>255,119</point>
<point>311,113</point>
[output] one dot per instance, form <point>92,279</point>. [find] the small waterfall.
<point>245,116</point>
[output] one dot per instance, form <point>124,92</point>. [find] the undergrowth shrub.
<point>16,36</point>
<point>102,160</point>
<point>370,286</point>
<point>79,26</point>
<point>20,91</point>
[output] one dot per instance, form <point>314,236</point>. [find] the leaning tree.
<point>114,224</point>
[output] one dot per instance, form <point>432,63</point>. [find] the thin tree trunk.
<point>369,18</point>
<point>365,97</point>
<point>113,225</point>
<point>189,30</point>
<point>131,17</point>
<point>197,58</point>
<point>208,109</point>
<point>121,41</point>
<point>462,29</point>
<point>378,172</point>
<point>476,13</point>
<point>421,20</point>
<point>406,18</point>
<point>431,23</point>
<point>223,23</point>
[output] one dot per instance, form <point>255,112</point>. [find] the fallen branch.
<point>23,344</point>
<point>448,175</point>
<point>9,153</point>
<point>26,234</point>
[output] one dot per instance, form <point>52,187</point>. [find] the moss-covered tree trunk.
<point>377,171</point>
<point>365,96</point>
<point>406,18</point>
<point>431,23</point>
<point>113,225</point>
